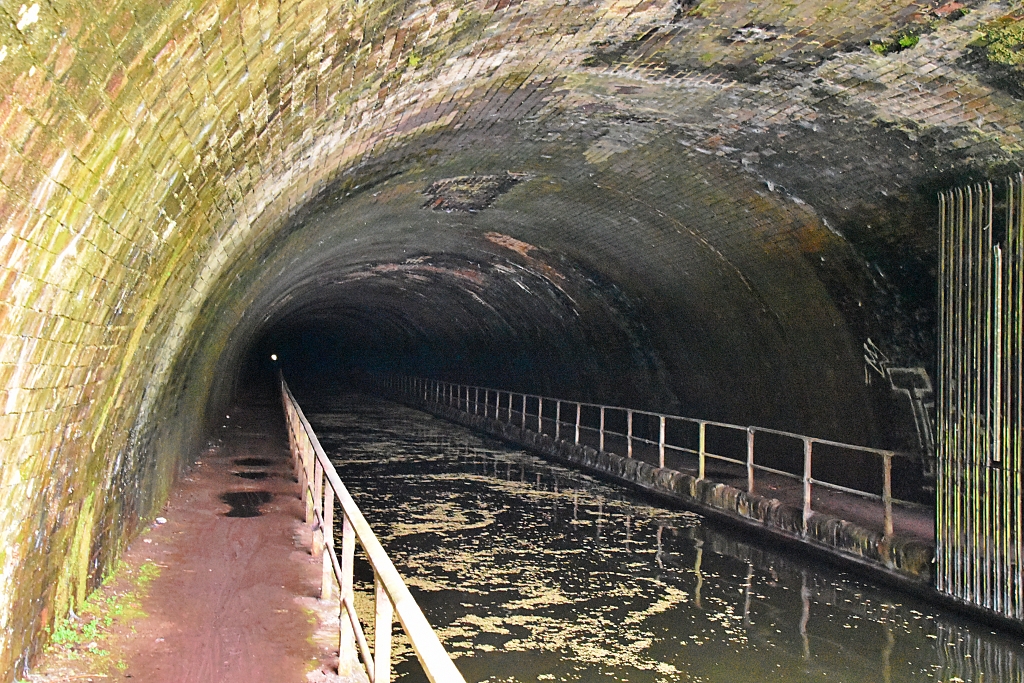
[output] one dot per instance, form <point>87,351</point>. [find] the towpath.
<point>221,587</point>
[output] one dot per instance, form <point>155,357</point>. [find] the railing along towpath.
<point>663,435</point>
<point>322,489</point>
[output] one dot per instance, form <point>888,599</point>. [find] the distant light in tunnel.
<point>273,356</point>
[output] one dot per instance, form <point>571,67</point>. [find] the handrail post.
<point>327,571</point>
<point>629,433</point>
<point>750,459</point>
<point>297,462</point>
<point>487,400</point>
<point>346,594</point>
<point>661,441</point>
<point>558,419</point>
<point>600,438</point>
<point>476,400</point>
<point>509,408</point>
<point>318,498</point>
<point>807,484</point>
<point>540,414</point>
<point>578,410</point>
<point>308,468</point>
<point>524,412</point>
<point>701,450</point>
<point>382,628</point>
<point>887,492</point>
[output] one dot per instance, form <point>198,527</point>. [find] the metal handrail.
<point>321,487</point>
<point>468,398</point>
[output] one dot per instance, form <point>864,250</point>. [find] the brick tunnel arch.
<point>720,208</point>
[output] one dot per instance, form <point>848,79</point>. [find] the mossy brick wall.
<point>148,147</point>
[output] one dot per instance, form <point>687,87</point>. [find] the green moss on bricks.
<point>72,586</point>
<point>998,52</point>
<point>1003,41</point>
<point>82,635</point>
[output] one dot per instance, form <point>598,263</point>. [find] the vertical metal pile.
<point>979,411</point>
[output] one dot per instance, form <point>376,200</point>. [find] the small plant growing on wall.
<point>897,42</point>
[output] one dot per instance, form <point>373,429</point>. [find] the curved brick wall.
<point>712,207</point>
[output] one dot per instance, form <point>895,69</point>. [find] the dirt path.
<point>234,599</point>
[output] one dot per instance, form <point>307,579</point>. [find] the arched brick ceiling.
<point>715,206</point>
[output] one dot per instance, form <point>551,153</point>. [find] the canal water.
<point>533,572</point>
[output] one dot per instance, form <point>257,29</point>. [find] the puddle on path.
<point>251,475</point>
<point>245,503</point>
<point>254,462</point>
<point>533,572</point>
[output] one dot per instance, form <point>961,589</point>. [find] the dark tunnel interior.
<point>557,285</point>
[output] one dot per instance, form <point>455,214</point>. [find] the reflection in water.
<point>533,572</point>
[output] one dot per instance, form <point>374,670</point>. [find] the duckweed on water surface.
<point>533,572</point>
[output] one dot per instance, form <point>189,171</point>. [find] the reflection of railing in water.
<point>321,486</point>
<point>515,408</point>
<point>968,654</point>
